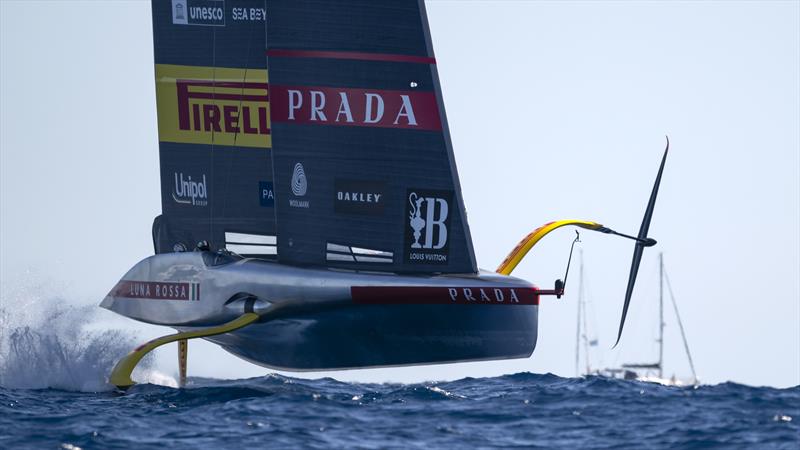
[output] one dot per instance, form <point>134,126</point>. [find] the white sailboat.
<point>652,372</point>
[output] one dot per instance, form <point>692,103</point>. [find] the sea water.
<point>53,394</point>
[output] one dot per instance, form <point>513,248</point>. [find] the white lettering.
<point>188,191</point>
<point>433,222</point>
<point>362,197</point>
<point>368,113</point>
<point>205,13</point>
<point>498,294</point>
<point>406,111</point>
<point>468,294</point>
<point>344,108</point>
<point>317,103</point>
<point>257,14</point>
<point>295,102</point>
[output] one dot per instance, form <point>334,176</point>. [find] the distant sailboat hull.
<point>317,319</point>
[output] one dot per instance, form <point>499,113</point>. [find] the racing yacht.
<point>312,215</point>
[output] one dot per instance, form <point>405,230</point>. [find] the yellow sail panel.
<point>213,105</point>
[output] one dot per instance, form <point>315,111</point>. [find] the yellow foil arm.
<point>121,375</point>
<point>519,252</point>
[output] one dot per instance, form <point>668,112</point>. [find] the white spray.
<point>45,342</point>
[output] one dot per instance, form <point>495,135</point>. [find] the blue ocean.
<point>53,395</point>
<point>521,410</point>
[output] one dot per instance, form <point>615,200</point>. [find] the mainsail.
<point>213,126</point>
<point>358,121</point>
<point>342,159</point>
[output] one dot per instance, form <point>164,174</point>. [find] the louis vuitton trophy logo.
<point>428,214</point>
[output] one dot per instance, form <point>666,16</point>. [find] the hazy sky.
<point>557,110</point>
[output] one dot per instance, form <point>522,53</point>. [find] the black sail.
<point>364,174</point>
<point>213,122</point>
<point>338,156</point>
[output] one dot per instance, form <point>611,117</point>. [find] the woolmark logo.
<point>299,183</point>
<point>190,192</point>
<point>299,186</point>
<point>427,232</point>
<point>198,12</point>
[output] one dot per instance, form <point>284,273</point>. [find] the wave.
<point>520,410</point>
<point>47,342</point>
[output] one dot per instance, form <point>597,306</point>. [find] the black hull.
<point>387,335</point>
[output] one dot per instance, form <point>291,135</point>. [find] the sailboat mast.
<point>661,315</point>
<point>585,331</point>
<point>680,327</point>
<point>578,341</point>
<point>578,328</point>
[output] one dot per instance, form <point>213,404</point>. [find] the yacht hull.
<point>318,319</point>
<point>392,335</point>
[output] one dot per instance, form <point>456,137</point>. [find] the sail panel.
<point>213,120</point>
<point>358,119</point>
<point>367,26</point>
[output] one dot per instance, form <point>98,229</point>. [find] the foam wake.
<point>45,342</point>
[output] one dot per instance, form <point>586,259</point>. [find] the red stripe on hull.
<point>434,295</point>
<point>151,290</point>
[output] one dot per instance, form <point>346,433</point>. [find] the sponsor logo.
<point>190,192</point>
<point>421,295</point>
<point>219,117</point>
<point>428,226</point>
<point>498,295</point>
<point>179,12</point>
<point>219,106</point>
<point>157,290</point>
<point>299,182</point>
<point>359,197</point>
<point>251,14</point>
<point>266,194</point>
<point>199,12</point>
<point>356,107</point>
<point>299,187</point>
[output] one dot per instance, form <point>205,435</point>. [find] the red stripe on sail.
<point>316,105</point>
<point>362,56</point>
